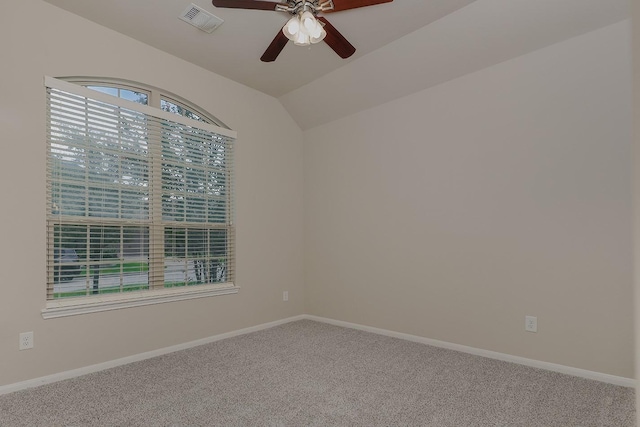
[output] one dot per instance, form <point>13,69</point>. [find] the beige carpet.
<point>313,374</point>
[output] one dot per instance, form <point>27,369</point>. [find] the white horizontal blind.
<point>137,198</point>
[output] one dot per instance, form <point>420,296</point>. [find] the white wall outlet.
<point>285,296</point>
<point>26,340</point>
<point>530,323</point>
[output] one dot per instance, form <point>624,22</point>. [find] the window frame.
<point>101,302</point>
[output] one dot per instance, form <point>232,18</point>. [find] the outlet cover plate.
<point>26,340</point>
<point>531,324</point>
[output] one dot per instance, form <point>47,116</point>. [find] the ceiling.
<point>234,49</point>
<point>402,47</point>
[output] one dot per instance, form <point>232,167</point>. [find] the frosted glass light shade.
<point>302,39</point>
<point>292,28</point>
<point>304,29</point>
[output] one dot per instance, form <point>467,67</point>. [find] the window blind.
<point>138,198</point>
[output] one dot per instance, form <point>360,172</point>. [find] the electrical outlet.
<point>285,296</point>
<point>26,340</point>
<point>530,323</point>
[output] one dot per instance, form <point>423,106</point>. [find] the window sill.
<point>94,304</point>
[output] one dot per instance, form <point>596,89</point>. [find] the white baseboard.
<point>138,357</point>
<point>597,376</point>
<point>562,369</point>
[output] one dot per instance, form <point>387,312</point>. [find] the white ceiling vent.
<point>200,18</point>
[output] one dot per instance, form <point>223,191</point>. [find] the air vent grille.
<point>200,18</point>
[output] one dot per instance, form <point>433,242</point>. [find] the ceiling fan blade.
<point>274,49</point>
<point>247,4</point>
<point>336,41</point>
<point>339,5</point>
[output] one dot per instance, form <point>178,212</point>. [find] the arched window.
<point>147,95</point>
<point>139,197</point>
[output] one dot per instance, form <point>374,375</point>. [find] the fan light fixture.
<point>304,29</point>
<point>305,26</point>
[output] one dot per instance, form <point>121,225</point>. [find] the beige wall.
<point>454,212</point>
<point>37,39</point>
<point>635,43</point>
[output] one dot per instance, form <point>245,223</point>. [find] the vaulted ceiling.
<point>402,47</point>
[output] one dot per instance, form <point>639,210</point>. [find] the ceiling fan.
<point>305,27</point>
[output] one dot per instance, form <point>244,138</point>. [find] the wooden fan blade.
<point>339,5</point>
<point>274,49</point>
<point>247,4</point>
<point>336,41</point>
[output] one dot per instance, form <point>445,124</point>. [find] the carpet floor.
<point>307,373</point>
